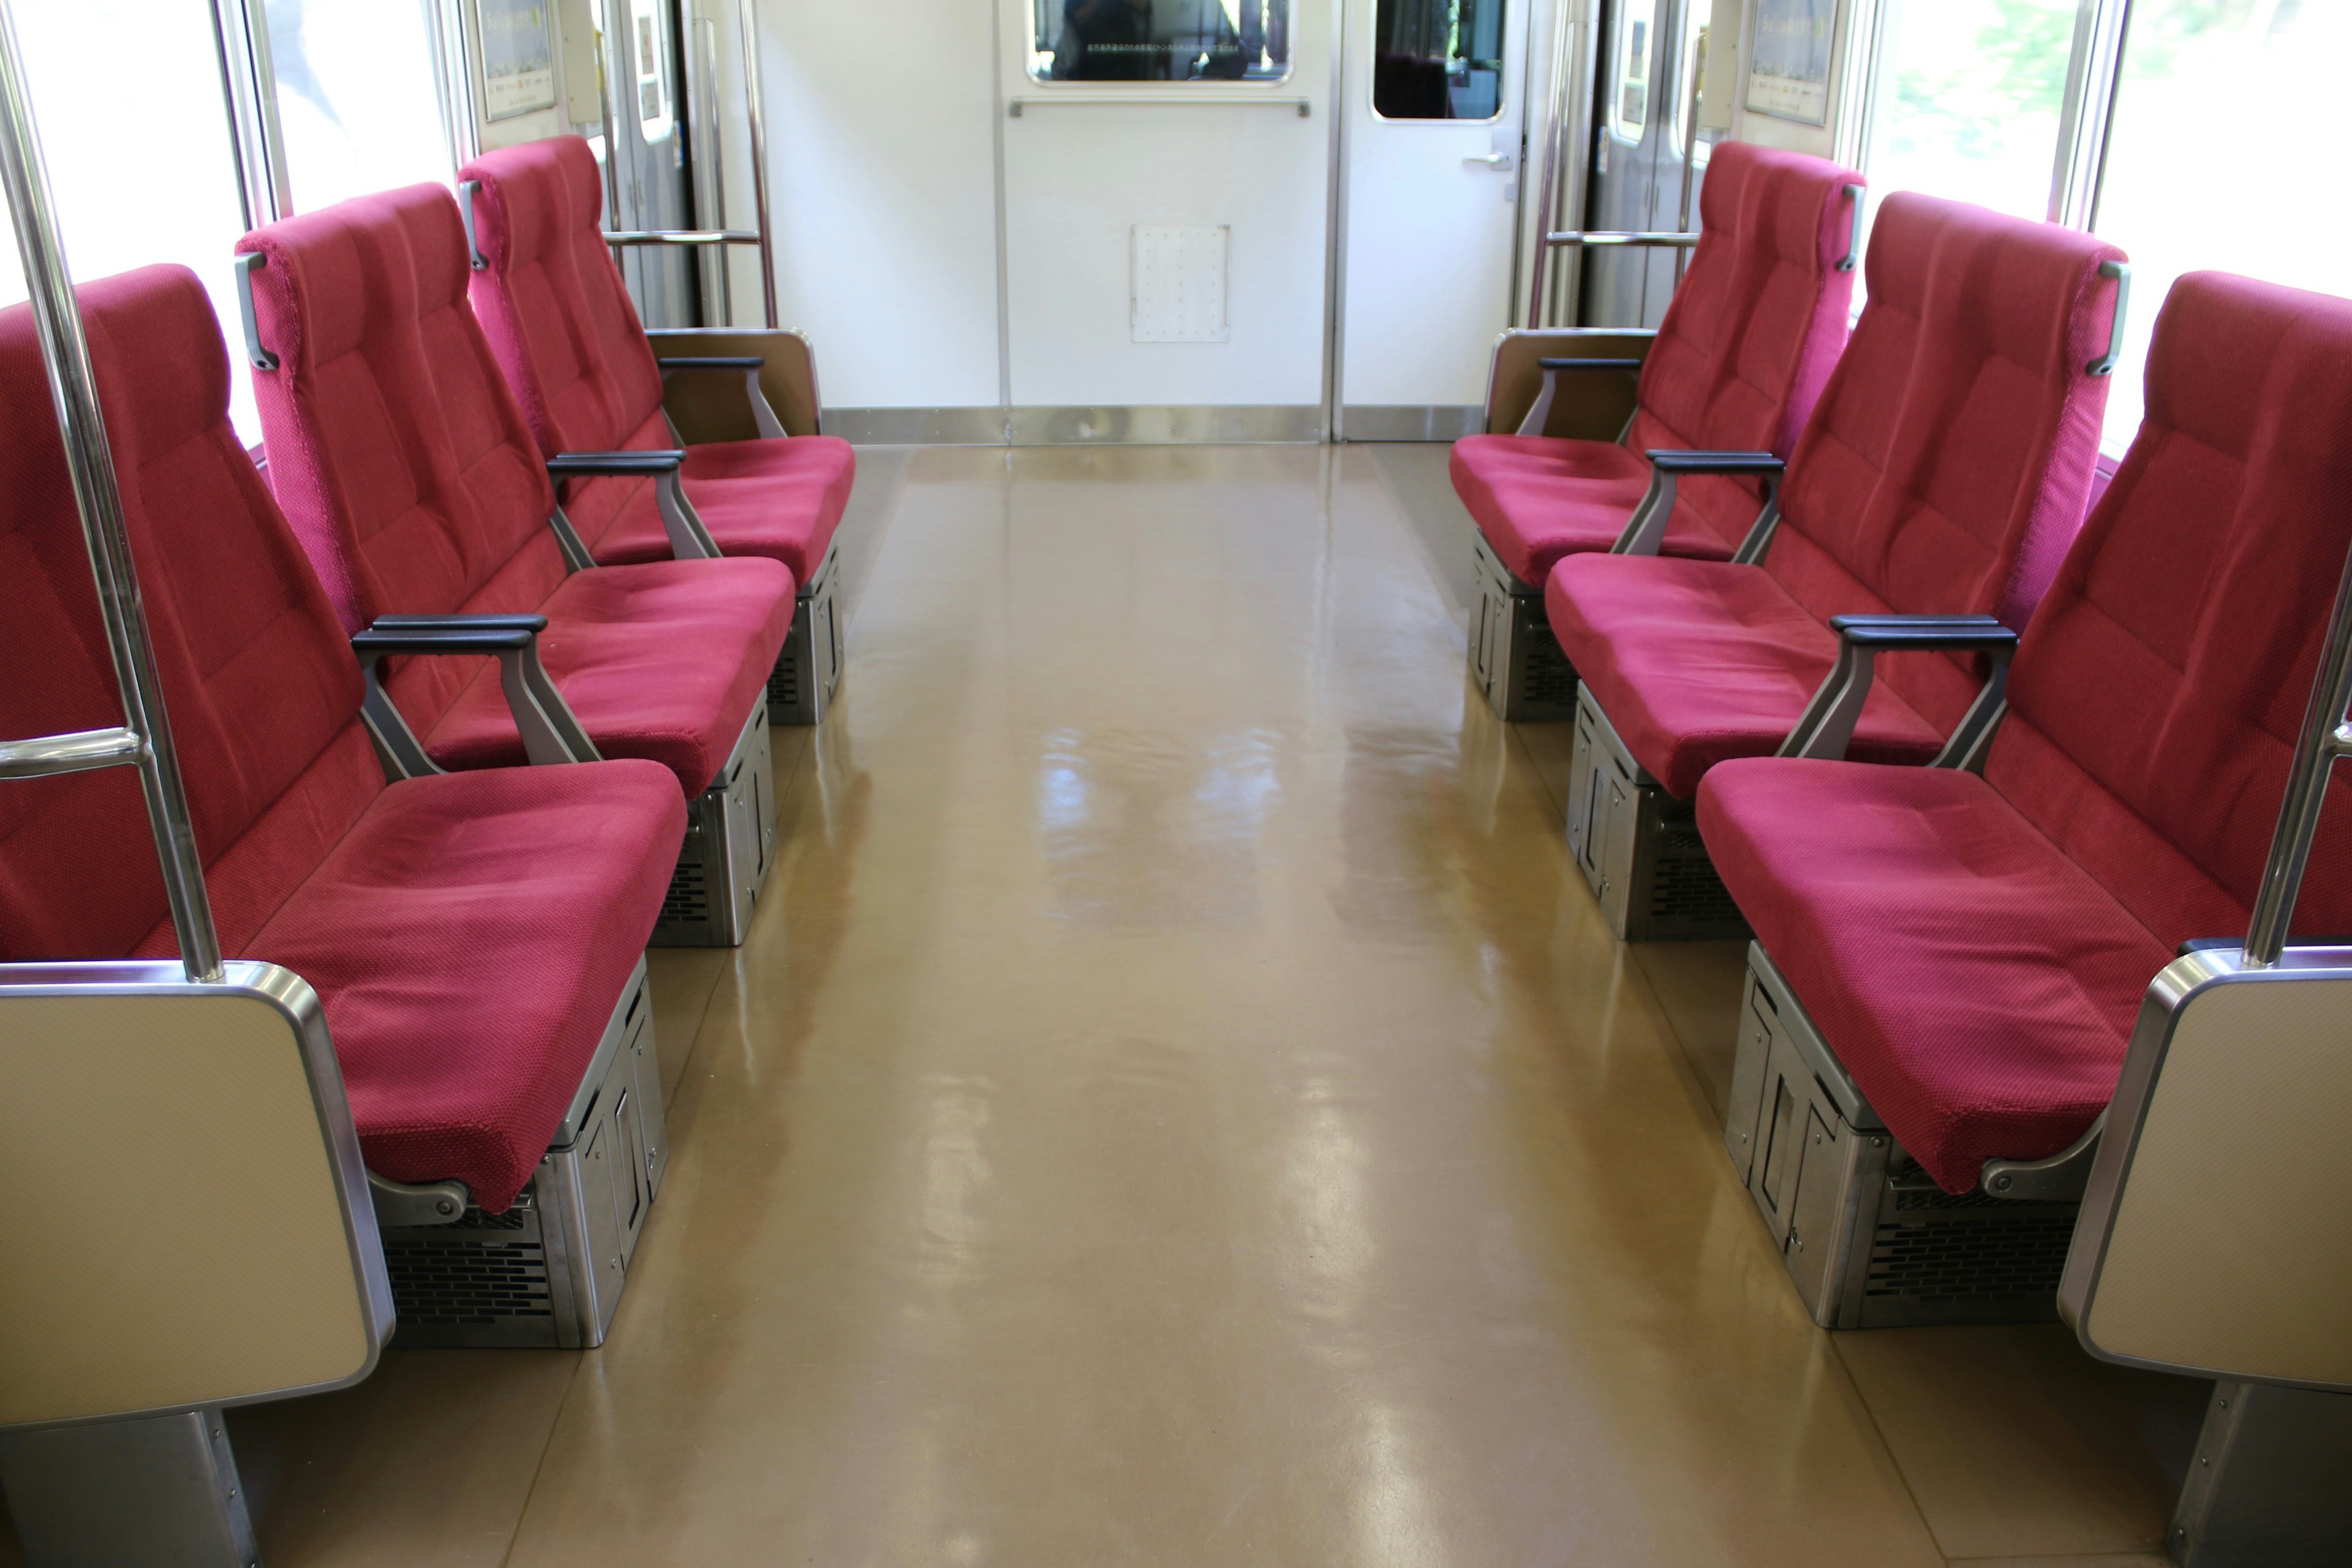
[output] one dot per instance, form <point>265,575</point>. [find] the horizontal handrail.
<point>1665,237</point>
<point>48,756</point>
<point>1306,106</point>
<point>681,237</point>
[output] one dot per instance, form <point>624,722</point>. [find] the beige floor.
<point>1177,1107</point>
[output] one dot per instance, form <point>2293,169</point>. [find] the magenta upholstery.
<point>1740,359</point>
<point>569,340</point>
<point>406,470</point>
<point>1945,470</point>
<point>468,934</point>
<point>1975,950</point>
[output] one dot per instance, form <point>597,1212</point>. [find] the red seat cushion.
<point>468,938</point>
<point>1538,498</point>
<point>1740,359</point>
<point>1978,984</point>
<point>1698,661</point>
<point>782,500</point>
<point>612,644</point>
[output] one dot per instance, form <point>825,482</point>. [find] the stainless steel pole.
<point>2325,739</point>
<point>755,114</point>
<point>1690,150</point>
<point>1555,111</point>
<point>90,465</point>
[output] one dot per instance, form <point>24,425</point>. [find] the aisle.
<point>1177,1107</point>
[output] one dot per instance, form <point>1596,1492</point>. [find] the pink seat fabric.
<point>1945,471</point>
<point>468,934</point>
<point>569,340</point>
<point>1740,359</point>
<point>403,464</point>
<point>1975,950</point>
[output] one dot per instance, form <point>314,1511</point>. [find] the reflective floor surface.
<point>1177,1107</point>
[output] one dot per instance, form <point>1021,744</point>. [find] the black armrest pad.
<point>1892,632</point>
<point>575,464</point>
<point>375,643</point>
<point>527,622</point>
<point>713,361</point>
<point>1668,461</point>
<point>1588,364</point>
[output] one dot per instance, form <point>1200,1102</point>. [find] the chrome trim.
<point>756,121</point>
<point>2122,273</point>
<point>54,754</point>
<point>90,462</point>
<point>1016,107</point>
<point>291,996</point>
<point>1000,190</point>
<point>1335,235</point>
<point>2325,737</point>
<point>1412,421</point>
<point>249,85</point>
<point>452,63</point>
<point>1555,127</point>
<point>681,237</point>
<point>2094,70</point>
<point>1598,237</point>
<point>981,424</point>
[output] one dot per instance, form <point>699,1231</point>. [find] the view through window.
<point>1970,104</point>
<point>1437,59</point>
<point>356,101</point>
<point>1159,40</point>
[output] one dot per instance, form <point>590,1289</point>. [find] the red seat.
<point>568,338</point>
<point>1944,469</point>
<point>405,467</point>
<point>1739,361</point>
<point>1975,950</point>
<point>468,934</point>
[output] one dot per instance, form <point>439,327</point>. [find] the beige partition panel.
<point>709,406</point>
<point>2217,1235</point>
<point>1589,405</point>
<point>186,1220</point>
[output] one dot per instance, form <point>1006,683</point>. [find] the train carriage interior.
<point>1481,784</point>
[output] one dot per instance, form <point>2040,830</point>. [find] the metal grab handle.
<point>1853,257</point>
<point>2105,363</point>
<point>1500,162</point>
<point>145,739</point>
<point>1015,108</point>
<point>248,263</point>
<point>681,237</point>
<point>2326,736</point>
<point>1634,236</point>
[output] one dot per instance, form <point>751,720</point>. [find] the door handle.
<point>1501,163</point>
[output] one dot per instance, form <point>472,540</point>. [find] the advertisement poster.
<point>517,58</point>
<point>1788,70</point>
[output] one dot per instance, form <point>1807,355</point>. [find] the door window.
<point>1159,40</point>
<point>358,104</point>
<point>1629,96</point>
<point>2186,188</point>
<point>649,55</point>
<point>1438,60</point>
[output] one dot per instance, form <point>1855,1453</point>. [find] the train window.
<point>2183,191</point>
<point>142,162</point>
<point>649,52</point>
<point>357,101</point>
<point>1438,60</point>
<point>1160,40</point>
<point>1971,100</point>
<point>1629,97</point>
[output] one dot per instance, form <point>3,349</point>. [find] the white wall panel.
<point>882,174</point>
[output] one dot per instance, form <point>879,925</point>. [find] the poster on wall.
<point>517,58</point>
<point>1788,68</point>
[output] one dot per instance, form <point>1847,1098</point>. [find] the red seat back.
<point>559,316</point>
<point>260,687</point>
<point>395,446</point>
<point>1757,324</point>
<point>1948,464</point>
<point>2158,693</point>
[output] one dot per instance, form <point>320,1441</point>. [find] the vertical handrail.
<point>755,113</point>
<point>2327,737</point>
<point>1690,150</point>
<point>1556,113</point>
<point>90,463</point>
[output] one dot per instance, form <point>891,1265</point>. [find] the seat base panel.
<point>1868,1238</point>
<point>731,840</point>
<point>1638,846</point>
<point>1514,658</point>
<point>548,1272</point>
<point>800,690</point>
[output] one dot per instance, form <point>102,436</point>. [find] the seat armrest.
<point>551,732</point>
<point>710,362</point>
<point>624,464</point>
<point>1645,530</point>
<point>763,413</point>
<point>689,539</point>
<point>1826,728</point>
<point>1556,365</point>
